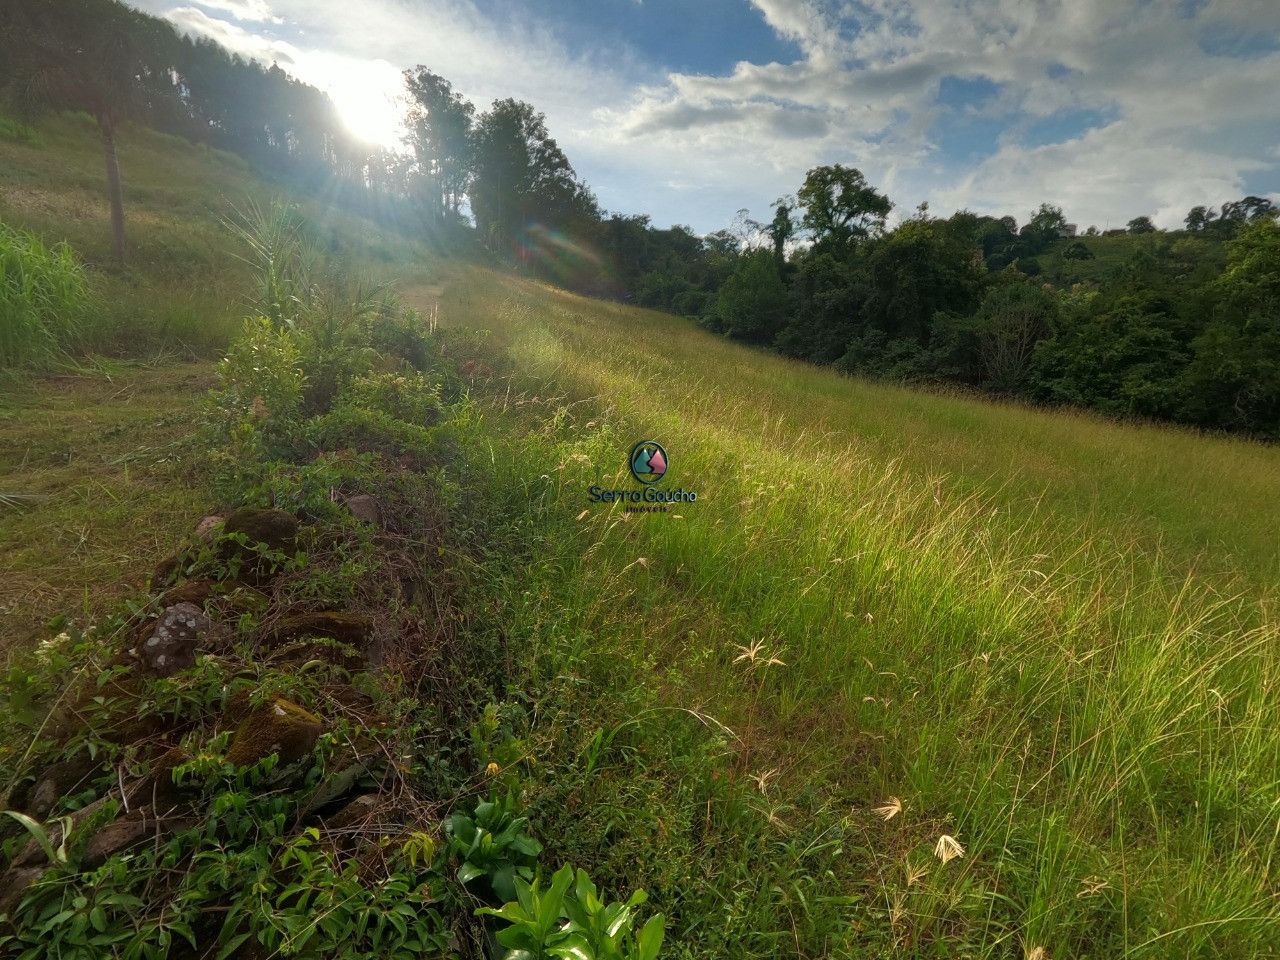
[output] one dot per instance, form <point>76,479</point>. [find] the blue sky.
<point>692,109</point>
<point>692,36</point>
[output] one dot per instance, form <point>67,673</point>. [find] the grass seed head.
<point>889,809</point>
<point>948,848</point>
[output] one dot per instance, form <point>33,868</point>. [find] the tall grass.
<point>43,299</point>
<point>1087,705</point>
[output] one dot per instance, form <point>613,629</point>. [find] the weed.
<point>44,300</point>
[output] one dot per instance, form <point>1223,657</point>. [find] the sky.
<point>690,110</point>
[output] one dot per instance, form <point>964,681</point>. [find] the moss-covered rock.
<point>279,726</point>
<point>247,531</point>
<point>366,509</point>
<point>275,528</point>
<point>352,628</point>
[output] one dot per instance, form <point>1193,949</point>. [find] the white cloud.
<point>253,10</point>
<point>868,87</point>
<point>232,36</point>
<point>1182,118</point>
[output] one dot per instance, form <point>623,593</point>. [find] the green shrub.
<point>413,398</point>
<point>494,848</point>
<point>349,427</point>
<point>43,300</point>
<point>568,919</point>
<point>404,334</point>
<point>18,132</point>
<point>261,378</point>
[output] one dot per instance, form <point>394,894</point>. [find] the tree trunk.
<point>114,192</point>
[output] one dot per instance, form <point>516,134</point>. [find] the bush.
<point>43,300</point>
<point>403,334</point>
<point>256,410</point>
<point>261,378</point>
<point>413,398</point>
<point>349,427</point>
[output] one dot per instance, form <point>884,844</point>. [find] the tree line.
<point>1174,325</point>
<point>1177,325</point>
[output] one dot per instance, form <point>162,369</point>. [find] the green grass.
<point>1051,637</point>
<point>43,300</point>
<point>183,289</point>
<point>101,481</point>
<point>88,492</point>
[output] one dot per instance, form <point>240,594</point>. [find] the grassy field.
<point>1049,638</point>
<point>99,461</point>
<point>1046,636</point>
<point>100,478</point>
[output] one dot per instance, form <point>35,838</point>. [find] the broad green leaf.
<point>649,940</point>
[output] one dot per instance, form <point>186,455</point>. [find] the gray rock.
<point>177,636</point>
<point>207,525</point>
<point>366,509</point>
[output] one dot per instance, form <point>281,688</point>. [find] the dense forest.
<point>1178,325</point>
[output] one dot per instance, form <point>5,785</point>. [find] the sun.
<point>368,95</point>
<point>372,113</point>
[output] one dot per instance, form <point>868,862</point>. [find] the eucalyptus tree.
<point>86,55</point>
<point>521,178</point>
<point>440,125</point>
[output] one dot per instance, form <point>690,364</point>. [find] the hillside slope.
<point>1196,502</point>
<point>183,287</point>
<point>921,619</point>
<point>1049,639</point>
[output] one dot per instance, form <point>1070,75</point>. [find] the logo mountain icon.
<point>658,463</point>
<point>648,462</point>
